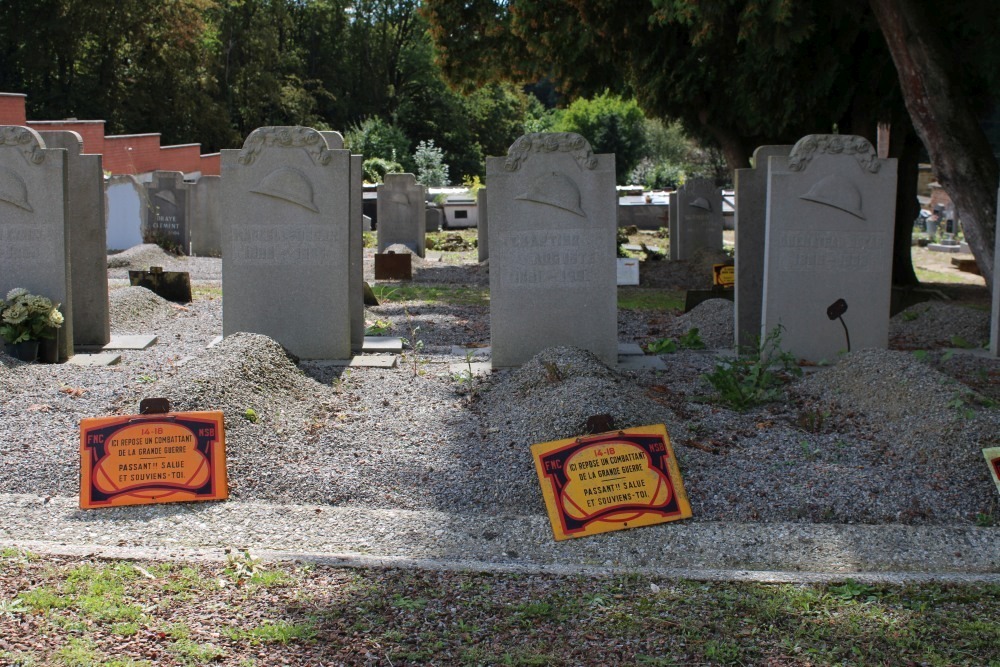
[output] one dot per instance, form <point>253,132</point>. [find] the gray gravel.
<point>876,439</point>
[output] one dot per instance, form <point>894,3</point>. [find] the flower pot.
<point>26,351</point>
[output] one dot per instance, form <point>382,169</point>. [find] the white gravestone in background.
<point>828,247</point>
<point>697,217</point>
<point>401,216</point>
<point>552,224</point>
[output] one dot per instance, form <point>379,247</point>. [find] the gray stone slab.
<point>552,235</point>
<point>34,229</point>
<point>672,233</point>
<point>995,311</point>
<point>751,212</point>
<point>88,239</point>
<point>286,258</point>
<point>136,342</point>
<point>482,227</point>
<point>90,360</point>
<point>363,361</point>
<point>941,247</point>
<point>477,368</point>
<point>630,350</point>
<point>627,271</point>
<point>647,363</point>
<point>829,231</point>
<point>391,344</point>
<point>215,341</point>
<point>356,254</point>
<point>205,216</point>
<point>401,213</point>
<point>699,219</point>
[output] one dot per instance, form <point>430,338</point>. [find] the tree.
<point>737,73</point>
<point>943,114</point>
<point>611,125</point>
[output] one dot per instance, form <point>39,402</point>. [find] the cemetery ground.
<point>860,485</point>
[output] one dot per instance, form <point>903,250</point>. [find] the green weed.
<point>751,379</point>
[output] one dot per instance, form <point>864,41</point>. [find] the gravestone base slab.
<point>135,342</point>
<point>360,361</point>
<point>630,350</point>
<point>92,360</point>
<point>941,247</point>
<point>459,351</point>
<point>389,344</point>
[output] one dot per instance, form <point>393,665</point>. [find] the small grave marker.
<point>610,481</point>
<point>152,458</point>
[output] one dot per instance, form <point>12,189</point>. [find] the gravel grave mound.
<point>714,320</point>
<point>135,309</point>
<point>935,324</point>
<point>141,257</point>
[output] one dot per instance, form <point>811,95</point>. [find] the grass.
<point>650,298</point>
<point>319,614</point>
<point>435,294</point>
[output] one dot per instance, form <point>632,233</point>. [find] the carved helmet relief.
<point>557,190</point>
<point>13,190</point>
<point>701,203</point>
<point>288,184</point>
<point>838,192</point>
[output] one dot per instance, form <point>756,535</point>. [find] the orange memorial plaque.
<point>724,275</point>
<point>146,459</point>
<point>610,481</point>
<point>992,455</point>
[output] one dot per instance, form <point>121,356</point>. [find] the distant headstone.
<point>434,218</point>
<point>698,218</point>
<point>828,247</point>
<point>205,216</point>
<point>482,228</point>
<point>401,213</point>
<point>552,249</point>
<point>286,257</point>
<point>124,195</point>
<point>34,236</point>
<point>751,211</point>
<point>672,233</point>
<point>87,239</point>
<point>167,212</point>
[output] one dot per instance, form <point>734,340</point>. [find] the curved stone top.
<point>550,142</point>
<point>295,136</point>
<point>835,144</point>
<point>24,138</point>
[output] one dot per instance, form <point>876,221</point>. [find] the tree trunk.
<point>905,147</point>
<point>960,153</point>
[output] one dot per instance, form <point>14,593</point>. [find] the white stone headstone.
<point>995,314</point>
<point>401,216</point>
<point>482,227</point>
<point>34,236</point>
<point>286,258</point>
<point>88,239</point>
<point>552,226</point>
<point>828,247</point>
<point>751,211</point>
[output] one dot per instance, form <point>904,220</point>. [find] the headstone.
<point>434,219</point>
<point>482,229</point>
<point>34,236</point>
<point>751,210</point>
<point>87,239</point>
<point>672,233</point>
<point>286,253</point>
<point>828,247</point>
<point>167,212</point>
<point>124,195</point>
<point>995,314</point>
<point>697,217</point>
<point>552,249</point>
<point>205,216</point>
<point>401,213</point>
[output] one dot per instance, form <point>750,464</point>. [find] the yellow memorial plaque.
<point>146,459</point>
<point>724,275</point>
<point>992,455</point>
<point>610,481</point>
